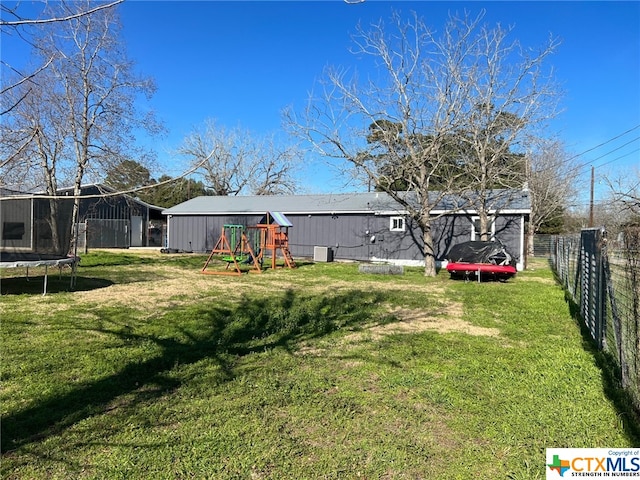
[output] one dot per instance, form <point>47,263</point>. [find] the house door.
<point>136,231</point>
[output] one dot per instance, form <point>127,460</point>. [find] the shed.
<point>367,226</point>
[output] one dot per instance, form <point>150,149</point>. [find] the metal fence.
<point>111,233</point>
<point>602,278</point>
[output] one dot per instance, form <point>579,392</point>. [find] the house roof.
<point>507,201</point>
<point>7,192</point>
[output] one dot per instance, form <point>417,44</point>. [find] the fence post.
<point>601,295</point>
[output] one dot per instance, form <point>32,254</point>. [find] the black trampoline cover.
<point>481,252</point>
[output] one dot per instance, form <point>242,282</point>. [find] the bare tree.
<point>13,22</point>
<point>273,169</point>
<point>508,96</point>
<point>436,106</point>
<point>35,147</point>
<point>625,192</point>
<point>79,116</point>
<point>232,162</point>
<point>551,181</point>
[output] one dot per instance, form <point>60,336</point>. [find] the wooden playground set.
<point>241,246</point>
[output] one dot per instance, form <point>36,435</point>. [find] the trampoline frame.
<point>46,263</point>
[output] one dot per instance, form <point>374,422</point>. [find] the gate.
<point>591,280</point>
<point>107,233</point>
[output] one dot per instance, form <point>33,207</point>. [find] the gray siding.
<point>345,234</point>
<point>199,233</point>
<point>508,229</point>
<point>351,236</point>
<point>449,231</point>
<point>26,224</point>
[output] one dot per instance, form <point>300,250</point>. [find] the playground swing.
<point>238,254</point>
<point>269,235</point>
<point>235,249</point>
<point>246,244</point>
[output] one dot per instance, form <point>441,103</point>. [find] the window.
<point>475,228</point>
<point>397,224</point>
<point>13,230</point>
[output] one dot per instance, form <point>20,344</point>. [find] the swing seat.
<point>231,259</point>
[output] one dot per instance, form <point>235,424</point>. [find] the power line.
<point>617,158</point>
<point>590,161</point>
<point>611,151</point>
<point>604,143</point>
<point>584,164</point>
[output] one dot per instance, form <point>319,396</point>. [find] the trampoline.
<point>482,259</point>
<point>29,260</point>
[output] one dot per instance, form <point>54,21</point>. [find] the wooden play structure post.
<point>274,237</point>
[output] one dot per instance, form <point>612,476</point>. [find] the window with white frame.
<point>475,228</point>
<point>397,224</point>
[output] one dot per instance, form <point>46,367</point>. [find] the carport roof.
<point>517,201</point>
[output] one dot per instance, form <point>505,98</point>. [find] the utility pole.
<point>591,197</point>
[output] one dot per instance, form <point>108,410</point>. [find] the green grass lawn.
<point>152,370</point>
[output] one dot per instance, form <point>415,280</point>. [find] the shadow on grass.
<point>190,335</point>
<point>611,375</point>
<point>55,284</point>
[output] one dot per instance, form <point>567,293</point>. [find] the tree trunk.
<point>530,237</point>
<point>485,234</point>
<point>52,221</point>
<point>429,256</point>
<point>75,216</point>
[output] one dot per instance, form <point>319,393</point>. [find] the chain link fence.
<point>602,278</point>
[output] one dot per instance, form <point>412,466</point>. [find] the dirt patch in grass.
<point>417,321</point>
<point>178,286</point>
<point>414,321</point>
<point>162,287</point>
<point>169,285</point>
<point>548,281</point>
<point>410,321</point>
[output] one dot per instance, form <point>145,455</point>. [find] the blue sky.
<point>241,63</point>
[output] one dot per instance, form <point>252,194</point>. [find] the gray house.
<point>355,226</point>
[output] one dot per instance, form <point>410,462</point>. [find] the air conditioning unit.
<point>322,254</point>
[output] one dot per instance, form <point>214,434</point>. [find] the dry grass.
<point>415,321</point>
<point>166,285</point>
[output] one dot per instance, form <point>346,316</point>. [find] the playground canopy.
<point>276,218</point>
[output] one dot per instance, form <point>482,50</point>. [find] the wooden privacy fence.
<point>602,278</point>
